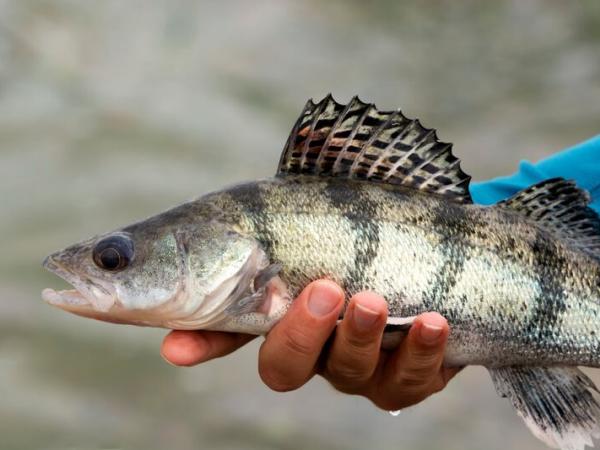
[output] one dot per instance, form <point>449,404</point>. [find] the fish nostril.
<point>52,264</point>
<point>51,261</point>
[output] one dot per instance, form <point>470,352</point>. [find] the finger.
<point>415,368</point>
<point>288,356</point>
<point>187,348</point>
<point>355,350</point>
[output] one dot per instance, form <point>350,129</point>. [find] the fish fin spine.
<point>561,207</point>
<point>357,141</point>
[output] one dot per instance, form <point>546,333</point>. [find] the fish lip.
<point>81,296</point>
<point>68,298</point>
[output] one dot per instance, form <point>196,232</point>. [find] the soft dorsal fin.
<point>357,141</point>
<point>559,205</point>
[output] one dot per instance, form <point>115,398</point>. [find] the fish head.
<point>171,273</point>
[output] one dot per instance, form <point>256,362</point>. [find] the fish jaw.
<point>71,300</point>
<point>89,299</point>
<point>88,296</point>
<point>68,298</point>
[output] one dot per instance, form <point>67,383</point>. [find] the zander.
<point>372,200</point>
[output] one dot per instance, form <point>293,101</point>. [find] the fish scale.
<point>374,201</point>
<point>452,269</point>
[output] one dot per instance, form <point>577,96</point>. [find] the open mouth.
<point>64,298</point>
<point>87,293</point>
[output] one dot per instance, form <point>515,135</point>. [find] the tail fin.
<point>562,207</point>
<point>556,403</point>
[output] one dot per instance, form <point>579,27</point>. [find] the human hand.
<point>302,345</point>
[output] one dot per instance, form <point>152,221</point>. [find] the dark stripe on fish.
<point>344,199</point>
<point>251,200</point>
<point>366,246</point>
<point>182,253</point>
<point>550,302</point>
<point>458,226</point>
<point>361,212</point>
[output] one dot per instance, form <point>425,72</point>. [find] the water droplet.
<point>395,413</point>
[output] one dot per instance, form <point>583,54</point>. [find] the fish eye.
<point>113,253</point>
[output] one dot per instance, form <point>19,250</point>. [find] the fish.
<point>374,201</point>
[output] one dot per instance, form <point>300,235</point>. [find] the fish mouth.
<point>89,294</point>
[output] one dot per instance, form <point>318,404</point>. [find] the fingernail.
<point>430,333</point>
<point>322,300</point>
<point>364,318</point>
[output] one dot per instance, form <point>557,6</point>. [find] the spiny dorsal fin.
<point>357,141</point>
<point>559,205</point>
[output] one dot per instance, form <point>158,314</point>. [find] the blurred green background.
<point>111,111</point>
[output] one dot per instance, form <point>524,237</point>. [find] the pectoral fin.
<point>263,277</point>
<point>556,403</point>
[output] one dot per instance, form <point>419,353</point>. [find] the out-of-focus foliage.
<point>112,110</point>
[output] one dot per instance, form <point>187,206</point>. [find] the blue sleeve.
<point>580,163</point>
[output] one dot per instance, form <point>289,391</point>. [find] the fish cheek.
<point>217,257</point>
<point>154,278</point>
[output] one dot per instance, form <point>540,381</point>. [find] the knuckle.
<point>298,342</point>
<point>414,379</point>
<point>359,344</point>
<point>425,360</point>
<point>345,372</point>
<point>423,366</point>
<point>351,362</point>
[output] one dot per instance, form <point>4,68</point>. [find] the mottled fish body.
<point>512,292</point>
<point>373,201</point>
